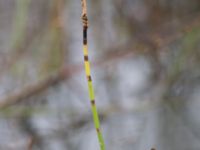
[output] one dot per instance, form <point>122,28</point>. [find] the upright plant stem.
<point>20,23</point>
<point>89,78</point>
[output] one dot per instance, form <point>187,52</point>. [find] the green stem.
<point>89,78</point>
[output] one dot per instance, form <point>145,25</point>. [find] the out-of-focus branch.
<point>168,34</point>
<point>30,90</point>
<point>38,87</point>
<point>35,88</point>
<point>165,35</point>
<point>66,72</point>
<point>30,143</point>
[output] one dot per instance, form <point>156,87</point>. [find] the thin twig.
<point>89,78</point>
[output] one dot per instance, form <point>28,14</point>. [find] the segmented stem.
<point>89,78</point>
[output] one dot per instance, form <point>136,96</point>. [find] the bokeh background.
<point>145,59</point>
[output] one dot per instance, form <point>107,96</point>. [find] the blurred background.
<point>145,58</point>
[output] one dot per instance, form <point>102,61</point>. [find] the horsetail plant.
<point>89,78</point>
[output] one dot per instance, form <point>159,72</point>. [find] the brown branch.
<point>38,87</point>
<point>35,88</point>
<point>30,143</point>
<point>29,91</point>
<point>169,33</point>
